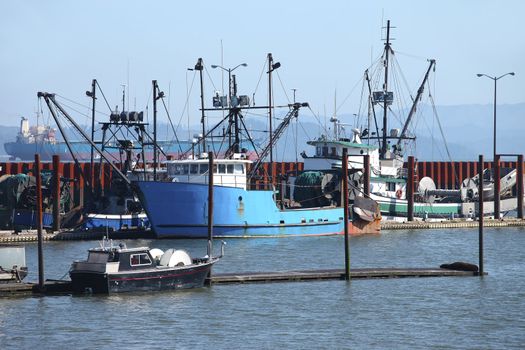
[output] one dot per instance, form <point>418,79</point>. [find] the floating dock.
<point>54,287</point>
<point>334,274</point>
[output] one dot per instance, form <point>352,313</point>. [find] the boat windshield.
<point>98,257</point>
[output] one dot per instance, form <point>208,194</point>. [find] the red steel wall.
<point>447,175</point>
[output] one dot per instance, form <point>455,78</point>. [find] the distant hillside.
<point>469,131</point>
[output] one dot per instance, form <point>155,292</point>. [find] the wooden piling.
<point>480,214</point>
<point>210,204</point>
<point>345,206</point>
<point>39,221</point>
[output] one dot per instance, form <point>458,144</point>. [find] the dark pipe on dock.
<point>410,189</point>
<point>56,193</point>
<point>519,182</point>
<point>39,222</point>
<point>497,185</point>
<point>366,165</point>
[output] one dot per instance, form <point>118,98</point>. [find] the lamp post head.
<point>511,73</point>
<point>214,66</point>
<point>479,75</point>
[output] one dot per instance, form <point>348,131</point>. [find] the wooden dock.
<point>54,287</point>
<point>334,274</point>
<point>31,235</point>
<point>458,223</point>
<point>51,287</point>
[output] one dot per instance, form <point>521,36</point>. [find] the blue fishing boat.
<point>179,208</point>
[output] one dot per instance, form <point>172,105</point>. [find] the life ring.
<point>399,194</point>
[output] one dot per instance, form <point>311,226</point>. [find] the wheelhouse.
<point>226,172</point>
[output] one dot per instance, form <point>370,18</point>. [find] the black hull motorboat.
<point>111,270</point>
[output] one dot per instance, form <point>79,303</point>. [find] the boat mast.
<point>155,98</point>
<point>385,91</point>
<point>271,67</point>
<point>199,66</point>
<point>237,113</point>
<point>270,62</point>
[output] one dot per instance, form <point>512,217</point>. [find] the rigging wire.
<point>396,63</point>
<point>434,109</point>
<point>215,89</point>
<point>171,124</point>
<point>282,86</point>
<point>318,120</point>
<point>412,55</point>
<point>104,96</point>
<point>186,104</point>
<point>348,95</point>
<point>260,78</point>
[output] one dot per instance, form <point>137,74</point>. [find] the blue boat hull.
<point>180,210</point>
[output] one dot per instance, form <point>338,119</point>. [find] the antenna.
<point>123,97</point>
<point>127,84</point>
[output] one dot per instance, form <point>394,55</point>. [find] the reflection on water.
<point>445,313</point>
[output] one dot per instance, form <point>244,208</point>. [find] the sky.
<point>324,47</point>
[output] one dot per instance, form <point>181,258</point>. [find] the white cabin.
<point>328,154</point>
<point>226,172</point>
<point>386,178</point>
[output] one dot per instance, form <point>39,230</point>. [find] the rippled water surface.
<point>408,313</point>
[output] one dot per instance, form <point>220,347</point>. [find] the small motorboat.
<point>116,269</point>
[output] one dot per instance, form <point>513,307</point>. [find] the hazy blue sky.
<point>59,46</point>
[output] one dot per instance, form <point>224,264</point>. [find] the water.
<point>408,313</point>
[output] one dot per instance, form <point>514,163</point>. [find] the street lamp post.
<point>229,70</point>
<point>495,79</point>
<point>495,156</point>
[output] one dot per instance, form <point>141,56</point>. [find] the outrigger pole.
<point>414,104</point>
<point>92,94</point>
<point>50,98</point>
<point>293,113</point>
